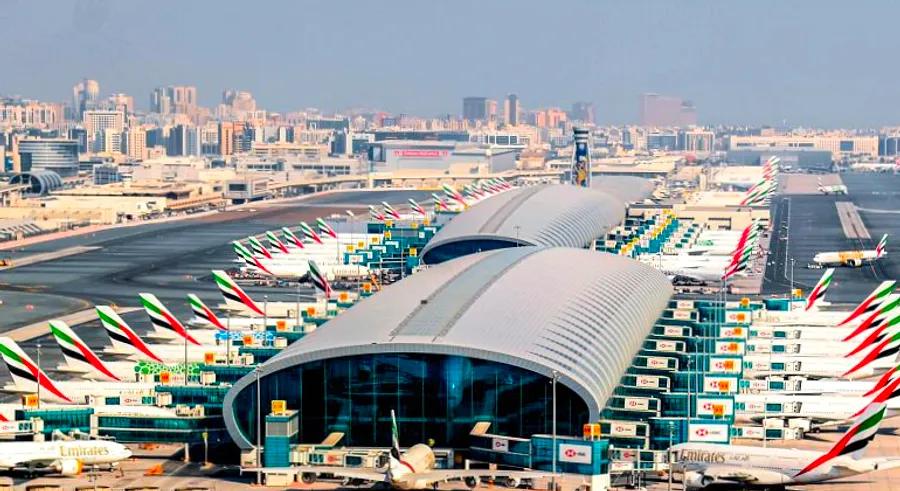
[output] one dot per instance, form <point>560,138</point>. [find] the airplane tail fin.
<point>25,372</point>
<point>121,335</point>
<point>204,313</point>
<point>310,233</point>
<point>249,259</point>
<point>886,348</point>
<point>318,279</point>
<point>163,320</point>
<point>234,295</point>
<point>78,355</point>
<point>818,293</point>
<point>326,229</point>
<point>395,463</point>
<point>258,247</point>
<point>878,317</point>
<point>275,242</point>
<point>293,238</point>
<point>857,438</point>
<point>880,248</point>
<point>871,302</point>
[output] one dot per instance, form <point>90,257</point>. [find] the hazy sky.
<point>822,62</point>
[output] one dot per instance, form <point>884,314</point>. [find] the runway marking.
<point>48,256</point>
<point>851,222</point>
<point>874,210</point>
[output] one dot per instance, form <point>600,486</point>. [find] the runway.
<point>805,224</point>
<point>168,259</point>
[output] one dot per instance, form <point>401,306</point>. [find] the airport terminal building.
<point>477,338</point>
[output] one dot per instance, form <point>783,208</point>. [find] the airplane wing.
<point>362,474</point>
<point>733,474</point>
<point>441,475</point>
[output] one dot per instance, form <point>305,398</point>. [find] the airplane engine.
<point>308,478</point>
<point>512,482</point>
<point>855,263</point>
<point>696,480</point>
<point>471,482</point>
<point>68,467</point>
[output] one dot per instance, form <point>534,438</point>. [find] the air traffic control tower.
<point>581,158</point>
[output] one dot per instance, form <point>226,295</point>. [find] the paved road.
<point>167,259</point>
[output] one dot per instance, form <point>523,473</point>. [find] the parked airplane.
<point>65,457</point>
<point>840,189</point>
<point>27,377</point>
<point>414,469</point>
<point>237,301</point>
<point>852,259</point>
<point>297,267</point>
<point>706,464</point>
<point>126,342</point>
<point>866,307</point>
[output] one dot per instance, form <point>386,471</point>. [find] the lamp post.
<point>669,453</point>
<point>791,294</point>
<point>39,375</point>
<point>258,426</point>
<point>555,379</point>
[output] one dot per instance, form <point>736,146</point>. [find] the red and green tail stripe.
<point>821,287</point>
<point>857,437</point>
<point>231,291</point>
<point>203,312</point>
<point>74,347</point>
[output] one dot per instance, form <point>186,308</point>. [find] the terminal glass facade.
<point>437,398</point>
<point>453,250</point>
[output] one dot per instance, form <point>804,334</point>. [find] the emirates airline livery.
<point>414,469</point>
<point>27,376</point>
<point>706,464</point>
<point>853,259</point>
<point>65,457</point>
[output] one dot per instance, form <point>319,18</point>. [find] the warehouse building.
<point>479,338</point>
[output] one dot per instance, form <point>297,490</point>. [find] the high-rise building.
<point>136,143</point>
<point>660,110</point>
<point>58,155</point>
<point>583,111</point>
<point>176,144</point>
<point>111,141</point>
<point>123,103</point>
<point>491,110</point>
<point>85,95</point>
<point>178,99</point>
<point>475,108</point>
<point>511,110</point>
<point>95,122</point>
<point>226,138</point>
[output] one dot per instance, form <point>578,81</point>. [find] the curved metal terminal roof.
<point>629,189</point>
<point>41,181</point>
<point>547,215</point>
<point>581,313</point>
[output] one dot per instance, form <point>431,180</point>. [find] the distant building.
<point>95,122</point>
<point>226,138</point>
<point>121,102</point>
<point>106,174</point>
<point>837,144</point>
<point>582,111</point>
<point>445,156</point>
<point>888,145</point>
<point>179,99</point>
<point>791,157</point>
<point>177,143</point>
<point>475,108</point>
<point>58,155</point>
<point>136,143</point>
<point>20,113</point>
<point>662,141</point>
<point>85,95</point>
<point>660,110</point>
<point>696,140</point>
<point>110,141</point>
<point>511,110</point>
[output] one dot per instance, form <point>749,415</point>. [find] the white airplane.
<point>296,266</point>
<point>853,259</point>
<point>821,410</point>
<point>839,189</point>
<point>237,301</point>
<point>698,268</point>
<point>65,457</point>
<point>706,464</point>
<point>124,341</point>
<point>414,469</point>
<point>765,365</point>
<point>204,317</point>
<point>27,377</point>
<point>875,301</point>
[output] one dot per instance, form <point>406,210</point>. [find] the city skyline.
<point>765,63</point>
